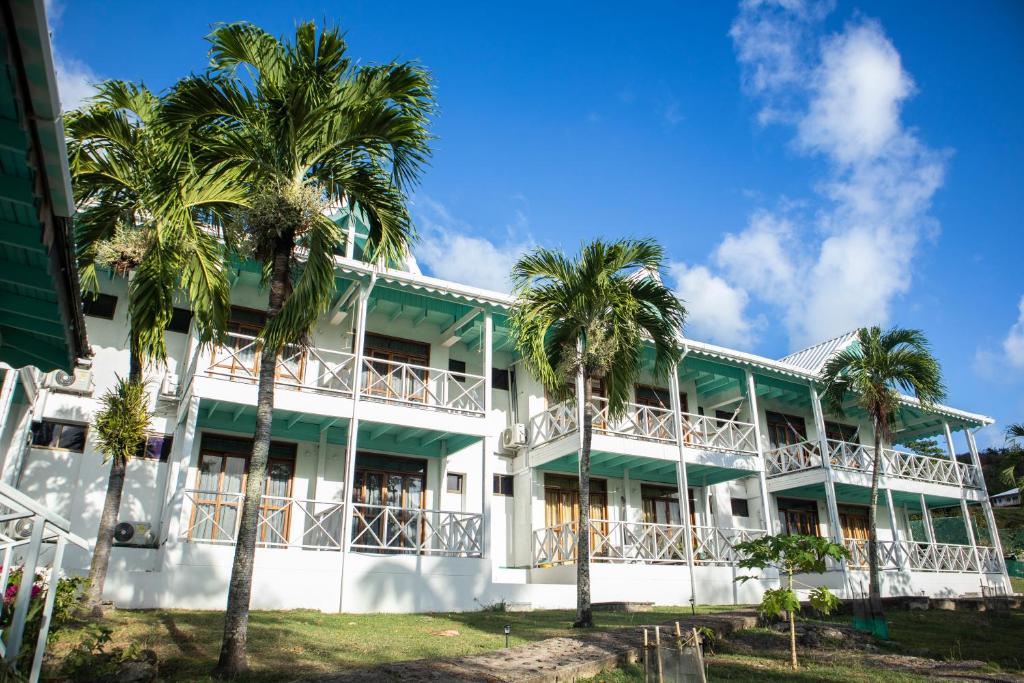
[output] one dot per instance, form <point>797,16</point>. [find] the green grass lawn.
<point>1017,583</point>
<point>299,642</point>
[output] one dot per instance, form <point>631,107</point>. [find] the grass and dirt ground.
<point>290,644</point>
<point>924,646</point>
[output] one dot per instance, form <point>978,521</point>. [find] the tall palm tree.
<point>308,130</point>
<point>141,208</point>
<point>871,373</point>
<point>590,317</point>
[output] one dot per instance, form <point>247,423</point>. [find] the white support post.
<point>487,444</point>
<point>986,506</point>
<point>177,475</point>
<point>964,510</point>
<point>926,521</point>
<point>351,441</point>
<point>684,488</point>
<point>830,490</point>
<point>627,495</point>
<point>755,418</point>
<point>47,616</point>
<point>897,546</point>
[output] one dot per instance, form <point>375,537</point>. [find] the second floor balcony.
<point>646,423</point>
<point>859,458</point>
<point>327,372</point>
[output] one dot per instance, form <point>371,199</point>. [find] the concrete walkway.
<point>544,661</point>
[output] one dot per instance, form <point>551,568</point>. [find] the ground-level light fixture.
<point>508,632</point>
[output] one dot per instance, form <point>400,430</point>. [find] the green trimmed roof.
<point>41,321</point>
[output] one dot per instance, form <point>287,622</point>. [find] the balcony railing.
<point>407,384</point>
<point>857,457</point>
<point>712,433</point>
<point>310,368</point>
<point>792,458</point>
<point>649,423</point>
<point>640,543</point>
<point>926,557</point>
<point>317,525</point>
<point>386,529</point>
<point>283,522</point>
<point>888,553</point>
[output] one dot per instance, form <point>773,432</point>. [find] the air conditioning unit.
<point>169,387</point>
<point>513,436</point>
<point>22,528</point>
<point>138,534</point>
<point>79,381</point>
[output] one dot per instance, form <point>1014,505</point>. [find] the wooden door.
<point>562,506</point>
<point>785,430</point>
<point>799,517</point>
<point>390,375</point>
<point>378,487</point>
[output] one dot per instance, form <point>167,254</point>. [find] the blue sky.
<point>809,167</point>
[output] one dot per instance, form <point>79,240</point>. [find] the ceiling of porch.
<point>615,465</point>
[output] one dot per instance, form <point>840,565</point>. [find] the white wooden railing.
<point>640,542</point>
<point>642,422</point>
<point>991,560</point>
<point>386,529</point>
<point>792,458</point>
<point>283,522</point>
<point>856,457</point>
<point>701,431</point>
<point>649,423</point>
<point>888,553</point>
<point>309,368</point>
<point>404,383</point>
<point>941,557</point>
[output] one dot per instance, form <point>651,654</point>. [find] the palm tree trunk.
<point>874,586</point>
<point>93,603</point>
<point>233,659</point>
<point>792,630</point>
<point>584,614</point>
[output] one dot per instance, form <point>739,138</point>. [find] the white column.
<point>487,466</point>
<point>826,462</point>
<point>755,417</point>
<point>351,441</point>
<point>627,494</point>
<point>684,489</point>
<point>926,520</point>
<point>900,560</point>
<point>964,510</point>
<point>986,504</point>
<point>177,475</point>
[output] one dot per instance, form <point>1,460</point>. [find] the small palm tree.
<point>1011,472</point>
<point>142,209</point>
<point>590,318</point>
<point>871,373</point>
<point>308,131</point>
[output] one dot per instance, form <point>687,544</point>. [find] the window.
<point>180,320</point>
<point>722,416</point>
<point>799,517</point>
<point>740,507</point>
<point>52,434</point>
<point>836,431</point>
<point>100,306</point>
<point>499,379</point>
<point>157,447</point>
<point>503,484</point>
<point>784,430</point>
<point>454,482</point>
<point>457,366</point>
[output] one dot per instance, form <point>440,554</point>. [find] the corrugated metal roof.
<point>813,358</point>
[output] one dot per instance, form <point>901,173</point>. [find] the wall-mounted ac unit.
<point>513,436</point>
<point>79,381</point>
<point>134,534</point>
<point>22,528</point>
<point>169,387</point>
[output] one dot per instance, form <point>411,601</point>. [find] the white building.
<point>456,476</point>
<point>1006,498</point>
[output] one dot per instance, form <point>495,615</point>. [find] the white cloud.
<point>716,311</point>
<point>1013,344</point>
<point>451,249</point>
<point>76,81</point>
<point>840,261</point>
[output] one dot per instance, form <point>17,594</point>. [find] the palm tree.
<point>872,372</point>
<point>590,318</point>
<point>308,131</point>
<point>142,209</point>
<point>1011,470</point>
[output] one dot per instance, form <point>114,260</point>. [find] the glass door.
<point>221,488</point>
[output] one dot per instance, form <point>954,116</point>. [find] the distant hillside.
<point>1009,520</point>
